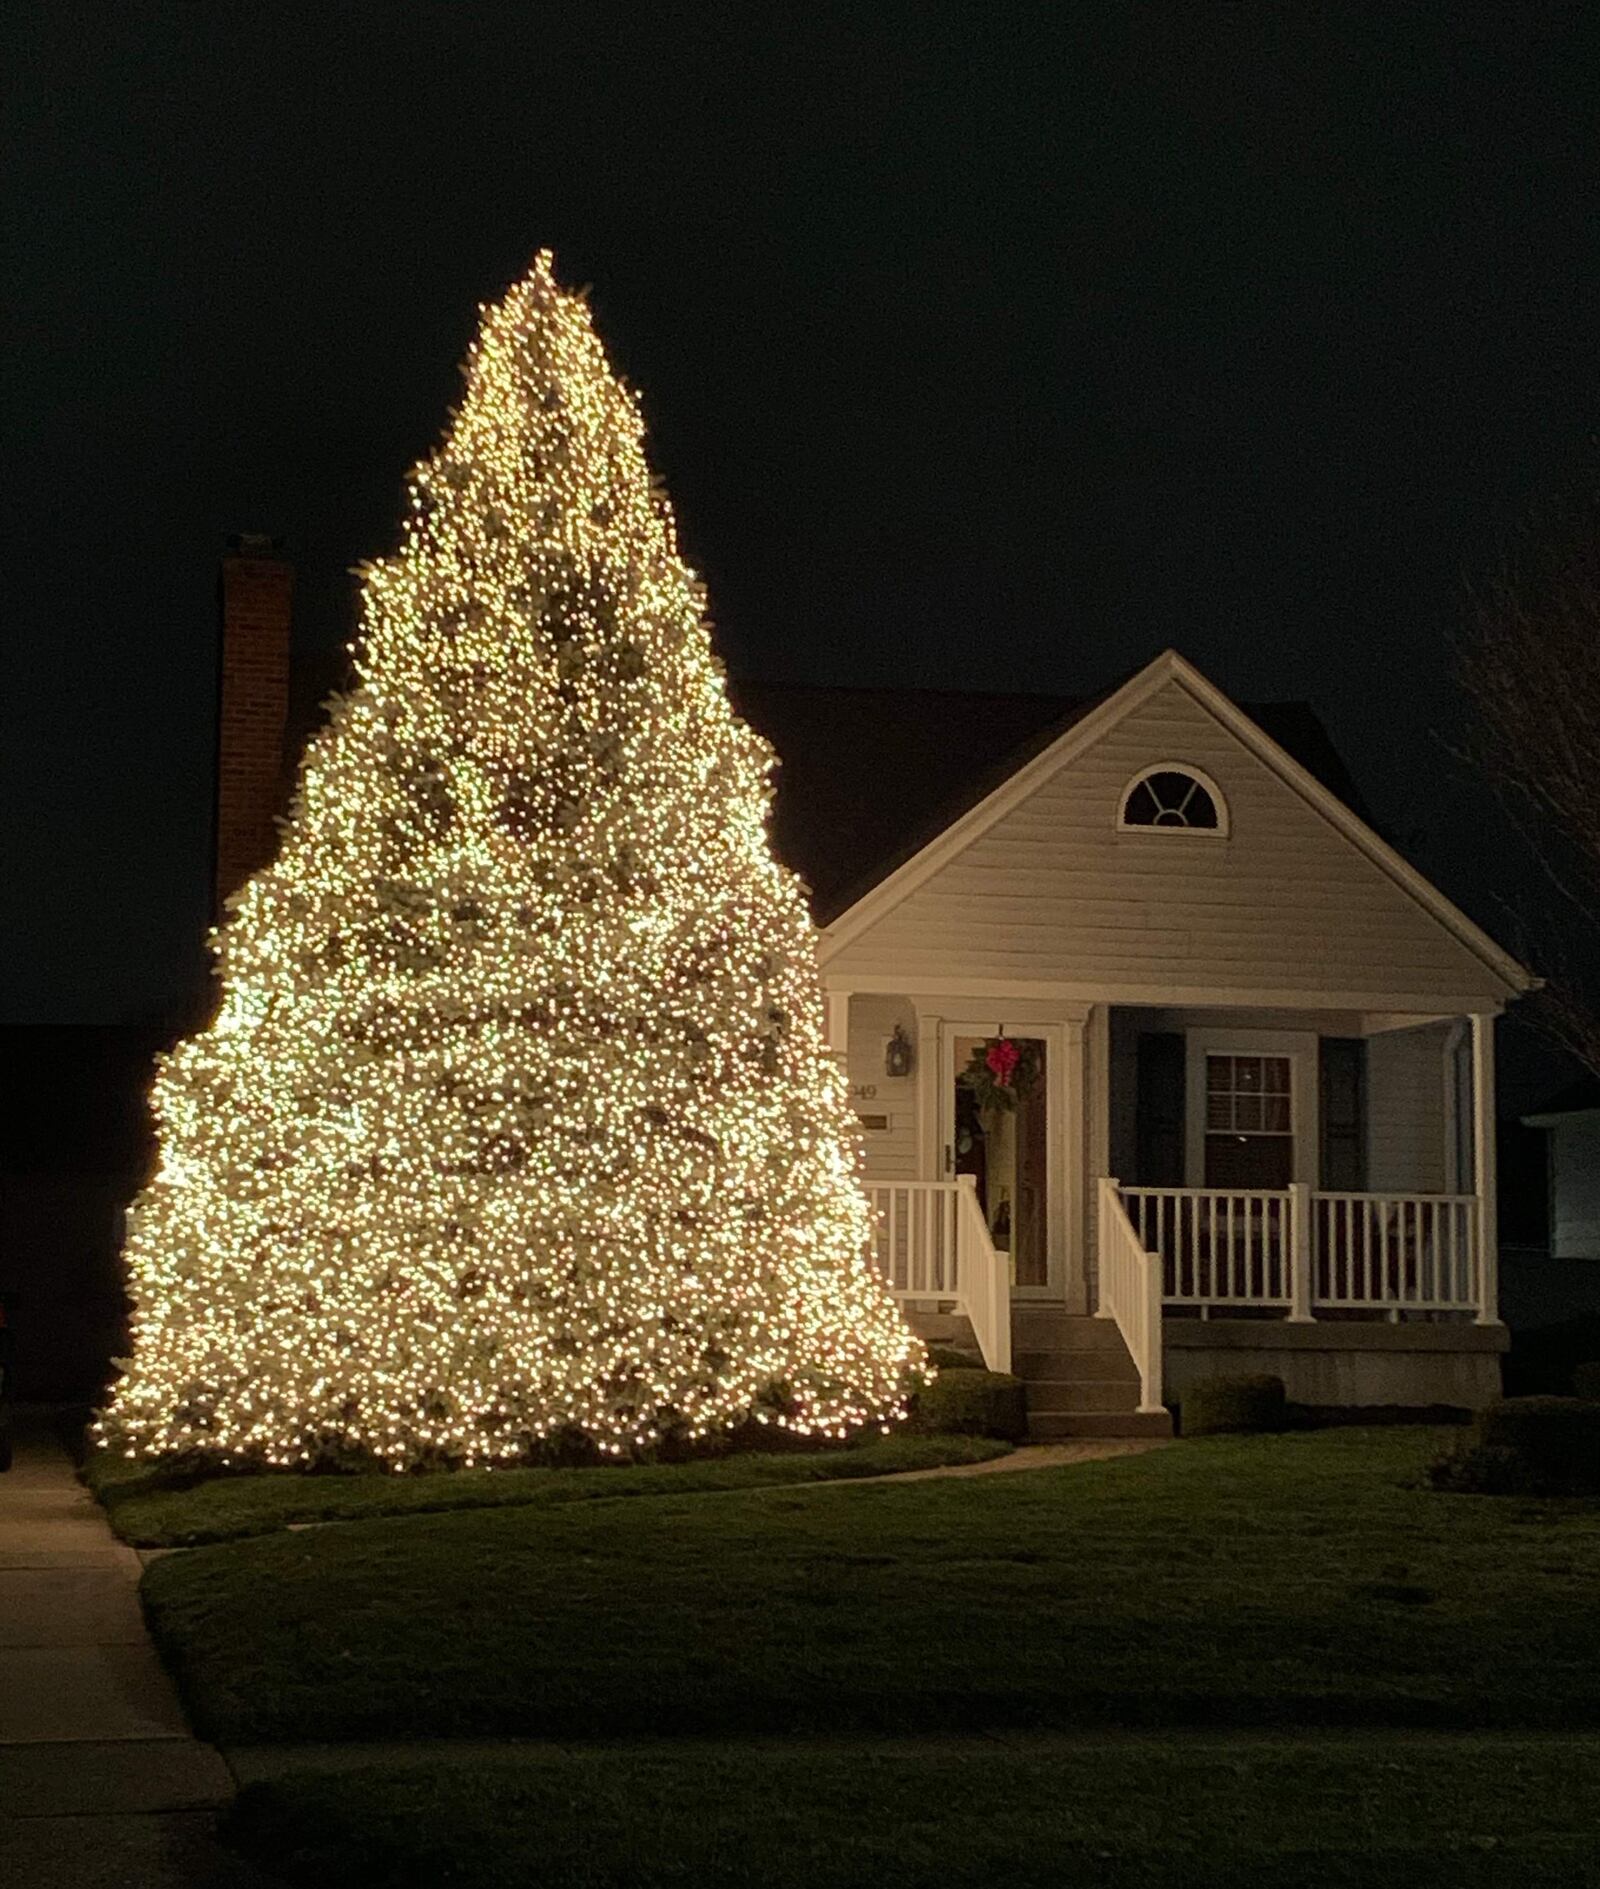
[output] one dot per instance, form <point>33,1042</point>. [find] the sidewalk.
<point>101,1784</point>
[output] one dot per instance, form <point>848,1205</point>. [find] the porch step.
<point>1048,1330</point>
<point>1052,1395</point>
<point>1080,1379</point>
<point>1102,1362</point>
<point>1059,1426</point>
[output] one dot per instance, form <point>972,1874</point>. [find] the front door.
<point>997,1088</point>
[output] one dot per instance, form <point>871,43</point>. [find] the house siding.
<point>1407,1133</point>
<point>890,1154</point>
<point>1053,893</point>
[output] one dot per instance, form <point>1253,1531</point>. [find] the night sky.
<point>981,348</point>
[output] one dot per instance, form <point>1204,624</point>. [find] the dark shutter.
<point>1343,1064</point>
<point>1160,1109</point>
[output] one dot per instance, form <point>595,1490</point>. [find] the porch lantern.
<point>899,1058</point>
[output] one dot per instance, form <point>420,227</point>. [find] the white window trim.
<point>1197,774</point>
<point>1305,1114</point>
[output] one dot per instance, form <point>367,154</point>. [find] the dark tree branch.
<point>1529,660</point>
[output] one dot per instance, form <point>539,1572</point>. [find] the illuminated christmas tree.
<point>517,1121</point>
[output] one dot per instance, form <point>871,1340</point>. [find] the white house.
<point>1249,1049</point>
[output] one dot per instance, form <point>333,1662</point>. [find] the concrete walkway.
<point>1024,1456</point>
<point>101,1784</point>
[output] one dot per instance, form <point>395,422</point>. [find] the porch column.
<point>1079,1191</point>
<point>836,1022</point>
<point>1483,1167</point>
<point>937,1159</point>
<point>1301,1260</point>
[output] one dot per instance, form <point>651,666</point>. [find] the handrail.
<point>1447,1200</point>
<point>1130,1291</point>
<point>985,1278</point>
<point>1202,1193</point>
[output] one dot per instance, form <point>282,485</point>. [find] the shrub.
<point>1475,1469</point>
<point>953,1358</point>
<point>1528,1446</point>
<point>964,1402</point>
<point>1543,1360</point>
<point>1232,1403</point>
<point>1586,1382</point>
<point>1560,1436</point>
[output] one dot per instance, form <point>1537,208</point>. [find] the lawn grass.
<point>146,1509</point>
<point>1430,1813</point>
<point>1286,1580</point>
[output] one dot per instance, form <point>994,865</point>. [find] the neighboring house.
<point>1250,1049</point>
<point>1571,1121</point>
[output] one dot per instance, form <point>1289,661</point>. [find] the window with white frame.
<point>1249,1121</point>
<point>1172,795</point>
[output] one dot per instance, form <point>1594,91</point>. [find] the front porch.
<point>1342,1295</point>
<point>1299,1181</point>
<point>1200,1269</point>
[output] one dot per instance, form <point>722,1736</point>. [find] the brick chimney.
<point>252,707</point>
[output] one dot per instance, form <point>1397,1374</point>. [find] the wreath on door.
<point>1001,1071</point>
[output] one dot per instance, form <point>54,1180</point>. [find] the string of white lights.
<point>517,1120</point>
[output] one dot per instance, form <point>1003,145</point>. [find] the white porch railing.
<point>914,1238</point>
<point>1301,1251</point>
<point>1130,1291</point>
<point>1396,1251</point>
<point>930,1241</point>
<point>1216,1248</point>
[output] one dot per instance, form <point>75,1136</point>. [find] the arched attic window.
<point>1173,796</point>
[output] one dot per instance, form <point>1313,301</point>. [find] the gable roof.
<point>878,790</point>
<point>868,777</point>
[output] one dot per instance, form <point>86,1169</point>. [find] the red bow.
<point>1002,1058</point>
